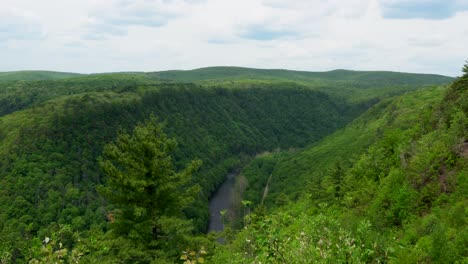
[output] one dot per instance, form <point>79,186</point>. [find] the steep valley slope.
<point>53,131</point>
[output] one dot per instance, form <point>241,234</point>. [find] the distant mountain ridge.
<point>220,73</point>
<point>35,75</point>
<point>235,73</point>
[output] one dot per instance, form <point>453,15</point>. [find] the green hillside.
<point>331,77</point>
<point>346,145</point>
<point>352,86</point>
<point>35,75</point>
<point>49,149</point>
<point>53,133</point>
<point>355,86</point>
<point>391,187</point>
<point>19,95</point>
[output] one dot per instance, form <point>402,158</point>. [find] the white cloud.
<point>17,24</point>
<point>147,35</point>
<point>115,17</point>
<point>425,9</point>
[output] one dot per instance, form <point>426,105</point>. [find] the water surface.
<point>222,199</point>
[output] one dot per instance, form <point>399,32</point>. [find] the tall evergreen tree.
<point>144,187</point>
<point>465,68</point>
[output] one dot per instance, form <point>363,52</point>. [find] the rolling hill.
<point>53,128</point>
<point>35,75</point>
<point>391,187</point>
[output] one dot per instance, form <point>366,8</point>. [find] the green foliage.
<point>385,123</point>
<point>258,173</point>
<point>465,68</point>
<point>52,132</point>
<point>15,96</point>
<point>330,78</point>
<point>193,257</point>
<point>352,86</point>
<point>62,247</point>
<point>401,199</point>
<point>52,147</point>
<point>147,193</point>
<point>35,75</point>
<point>292,237</point>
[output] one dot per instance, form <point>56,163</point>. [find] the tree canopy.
<point>149,195</point>
<point>53,131</point>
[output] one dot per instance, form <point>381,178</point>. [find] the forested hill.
<point>391,187</point>
<point>355,86</point>
<point>330,77</point>
<point>35,75</point>
<point>53,131</point>
<point>351,86</point>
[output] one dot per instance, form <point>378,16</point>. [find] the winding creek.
<point>222,199</point>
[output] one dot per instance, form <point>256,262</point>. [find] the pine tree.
<point>143,186</point>
<point>465,68</point>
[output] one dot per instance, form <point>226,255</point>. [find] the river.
<point>222,199</point>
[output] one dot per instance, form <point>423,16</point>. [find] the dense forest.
<point>119,167</point>
<point>389,187</point>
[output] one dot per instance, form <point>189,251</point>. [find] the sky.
<point>88,36</point>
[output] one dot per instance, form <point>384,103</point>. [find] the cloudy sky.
<point>428,36</point>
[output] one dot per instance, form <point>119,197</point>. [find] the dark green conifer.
<point>465,68</point>
<point>143,185</point>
